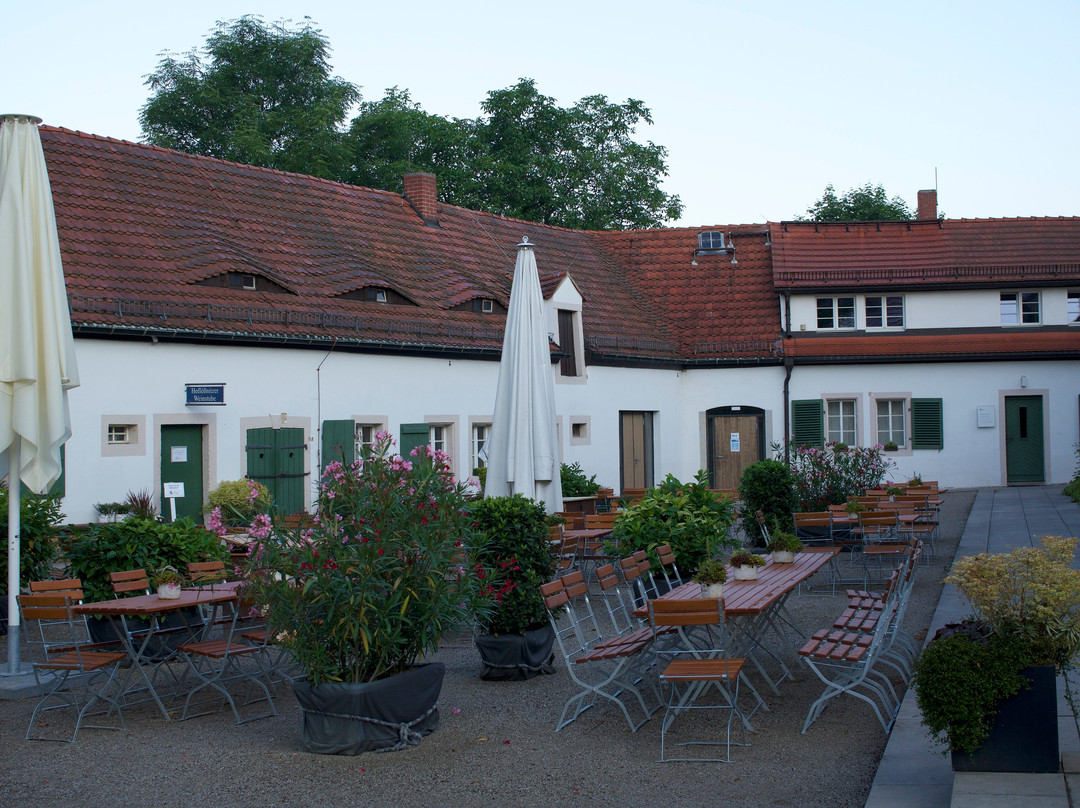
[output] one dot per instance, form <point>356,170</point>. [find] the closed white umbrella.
<point>37,352</point>
<point>523,449</point>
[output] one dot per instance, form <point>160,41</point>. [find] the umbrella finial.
<point>525,242</point>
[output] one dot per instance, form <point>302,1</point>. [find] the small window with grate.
<point>711,240</point>
<point>121,434</point>
<point>241,281</point>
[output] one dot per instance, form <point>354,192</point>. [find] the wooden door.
<point>182,462</point>
<point>735,440</point>
<point>636,449</point>
<point>1024,460</point>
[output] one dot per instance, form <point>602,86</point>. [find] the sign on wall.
<point>203,395</point>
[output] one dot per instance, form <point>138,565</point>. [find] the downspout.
<point>789,366</point>
<point>318,406</point>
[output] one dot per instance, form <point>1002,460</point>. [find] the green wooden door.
<point>182,462</point>
<point>338,442</point>
<point>1024,462</point>
<point>275,458</point>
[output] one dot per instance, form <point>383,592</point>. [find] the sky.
<point>760,105</point>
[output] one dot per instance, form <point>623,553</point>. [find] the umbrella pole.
<point>14,491</point>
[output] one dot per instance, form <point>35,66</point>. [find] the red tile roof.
<point>717,309</point>
<point>141,226</point>
<point>1015,343</point>
<point>926,254</point>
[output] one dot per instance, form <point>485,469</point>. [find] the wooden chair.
<point>598,521</point>
<point>668,567</point>
<point>574,520</point>
<point>129,582</point>
<point>58,586</point>
<point>693,671</point>
<point>70,670</point>
<point>631,495</point>
<point>206,572</point>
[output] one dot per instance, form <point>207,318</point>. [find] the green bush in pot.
<point>137,543</point>
<point>1026,606</point>
<point>688,516</point>
<point>515,557</point>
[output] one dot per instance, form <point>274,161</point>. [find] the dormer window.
<point>239,280</point>
<point>481,305</point>
<point>375,295</point>
<point>711,241</point>
<point>487,305</point>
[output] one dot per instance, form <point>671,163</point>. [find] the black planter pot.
<point>108,629</point>
<point>1024,737</point>
<point>388,714</point>
<point>516,656</point>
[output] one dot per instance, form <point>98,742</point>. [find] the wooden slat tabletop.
<point>152,604</point>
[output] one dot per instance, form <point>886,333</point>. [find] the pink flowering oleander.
<point>215,524</point>
<point>253,493</point>
<point>260,527</point>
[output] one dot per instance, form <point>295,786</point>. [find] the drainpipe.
<point>318,407</point>
<point>789,366</point>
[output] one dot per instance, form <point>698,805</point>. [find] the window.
<point>579,430</point>
<point>375,295</point>
<point>836,312</point>
<point>712,240</point>
<point>1074,307</point>
<point>480,435</point>
<point>568,342</point>
<point>840,421</point>
<point>1019,308</point>
<point>121,434</point>
<point>487,306</point>
<point>241,280</point>
<point>365,435</point>
<point>437,438</point>
<point>890,422</point>
<point>885,312</point>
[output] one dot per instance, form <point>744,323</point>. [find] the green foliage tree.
<point>40,517</point>
<point>263,95</point>
<point>766,486</point>
<point>575,483</point>
<point>869,203</point>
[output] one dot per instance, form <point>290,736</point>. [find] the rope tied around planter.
<point>523,667</point>
<point>406,736</point>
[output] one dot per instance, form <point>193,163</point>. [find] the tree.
<point>870,203</point>
<point>263,96</point>
<point>394,136</point>
<point>575,167</point>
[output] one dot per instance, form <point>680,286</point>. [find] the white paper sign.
<point>734,441</point>
<point>179,454</point>
<point>174,490</point>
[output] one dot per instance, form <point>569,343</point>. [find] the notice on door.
<point>179,454</point>
<point>734,441</point>
<point>173,490</point>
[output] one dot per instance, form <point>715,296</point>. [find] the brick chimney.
<point>927,205</point>
<point>420,190</point>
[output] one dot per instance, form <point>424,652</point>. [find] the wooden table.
<point>579,504</point>
<point>153,608</point>
<point>756,608</point>
<point>589,540</point>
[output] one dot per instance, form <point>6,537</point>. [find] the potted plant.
<point>686,515</point>
<point>711,575</point>
<point>987,686</point>
<point>362,596</point>
<point>891,447</point>
<point>746,564</point>
<point>513,558</point>
<point>110,511</point>
<point>783,545</point>
<point>168,581</point>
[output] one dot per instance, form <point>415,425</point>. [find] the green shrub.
<point>828,476</point>
<point>234,499</point>
<point>1073,488</point>
<point>38,529</point>
<point>138,543</point>
<point>575,483</point>
<point>688,516</point>
<point>766,486</point>
<point>961,678</point>
<point>516,556</point>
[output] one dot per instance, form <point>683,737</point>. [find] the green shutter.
<point>808,422</point>
<point>338,442</point>
<point>413,435</point>
<point>927,429</point>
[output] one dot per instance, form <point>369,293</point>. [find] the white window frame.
<point>1072,307</point>
<point>843,434</point>
<point>1016,311</point>
<point>897,408</point>
<point>833,323</point>
<point>887,312</point>
<point>448,425</point>
<point>136,435</point>
<point>577,348</point>
<point>479,435</point>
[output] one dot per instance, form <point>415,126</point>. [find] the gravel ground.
<point>495,745</point>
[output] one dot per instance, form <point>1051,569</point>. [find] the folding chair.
<point>693,671</point>
<point>611,669</point>
<point>217,663</point>
<point>672,576</point>
<point>882,547</point>
<point>60,647</point>
<point>206,573</point>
